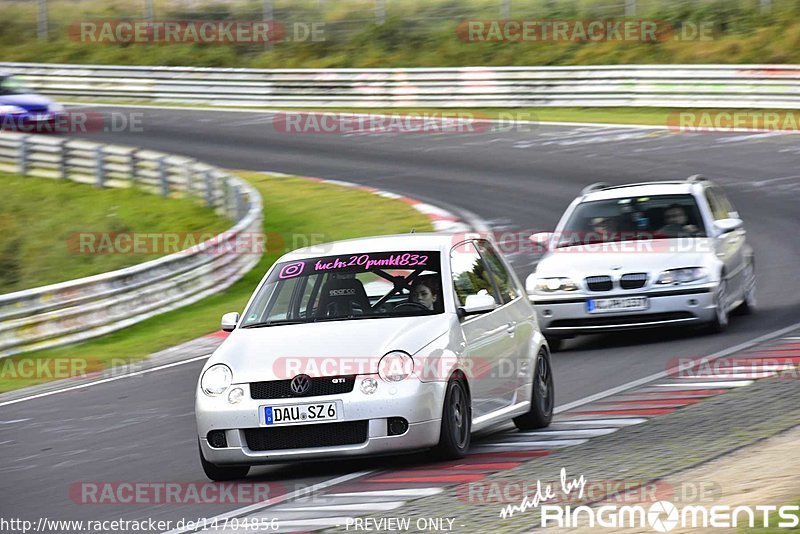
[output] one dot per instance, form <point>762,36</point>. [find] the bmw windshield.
<point>633,218</point>
<point>359,286</point>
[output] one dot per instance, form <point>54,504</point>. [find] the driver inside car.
<point>425,291</point>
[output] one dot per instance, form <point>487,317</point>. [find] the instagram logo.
<point>291,270</point>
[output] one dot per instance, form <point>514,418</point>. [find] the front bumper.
<point>566,316</point>
<point>420,403</point>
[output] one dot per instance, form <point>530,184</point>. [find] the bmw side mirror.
<point>728,225</point>
<point>229,321</point>
<point>541,241</point>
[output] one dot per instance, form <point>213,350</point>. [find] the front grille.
<point>633,280</point>
<point>280,389</point>
<point>599,283</point>
<point>306,436</point>
<point>620,320</point>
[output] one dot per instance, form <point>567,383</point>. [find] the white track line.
<point>275,500</point>
<point>104,380</point>
<point>675,370</point>
<point>622,421</point>
<point>707,385</point>
<point>350,507</point>
<point>413,492</point>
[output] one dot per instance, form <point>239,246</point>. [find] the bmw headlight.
<point>550,285</point>
<point>395,366</point>
<point>216,380</point>
<point>11,110</point>
<point>682,276</point>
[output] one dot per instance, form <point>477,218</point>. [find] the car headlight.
<point>216,380</point>
<point>11,110</point>
<point>549,285</point>
<point>55,107</point>
<point>395,366</point>
<point>682,276</point>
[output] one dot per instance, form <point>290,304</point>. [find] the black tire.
<point>555,343</point>
<point>721,319</point>
<point>543,399</point>
<point>454,438</point>
<point>219,473</point>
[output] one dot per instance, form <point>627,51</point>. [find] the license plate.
<point>620,304</point>
<point>300,413</point>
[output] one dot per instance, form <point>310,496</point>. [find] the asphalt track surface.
<point>142,428</point>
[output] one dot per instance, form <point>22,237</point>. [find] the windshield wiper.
<point>273,323</point>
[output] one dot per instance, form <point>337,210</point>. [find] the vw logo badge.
<point>300,384</point>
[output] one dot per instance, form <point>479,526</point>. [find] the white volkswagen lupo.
<point>371,346</point>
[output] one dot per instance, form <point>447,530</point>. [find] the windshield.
<point>360,286</point>
<point>12,85</point>
<point>633,218</point>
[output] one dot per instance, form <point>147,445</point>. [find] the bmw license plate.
<point>300,413</point>
<point>615,305</point>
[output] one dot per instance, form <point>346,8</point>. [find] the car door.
<point>489,341</point>
<point>519,317</point>
<point>730,245</point>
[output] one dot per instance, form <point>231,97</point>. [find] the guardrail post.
<point>240,204</point>
<point>134,166</point>
<point>42,21</point>
<point>505,9</point>
<point>163,176</point>
<point>99,167</point>
<point>62,160</point>
<point>209,179</point>
<point>380,11</point>
<point>23,155</point>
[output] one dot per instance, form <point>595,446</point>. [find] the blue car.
<point>23,110</point>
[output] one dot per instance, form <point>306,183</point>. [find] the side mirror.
<point>728,225</point>
<point>541,241</point>
<point>480,303</point>
<point>229,321</point>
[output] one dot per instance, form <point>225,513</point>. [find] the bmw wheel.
<point>219,473</point>
<point>543,399</point>
<point>456,428</point>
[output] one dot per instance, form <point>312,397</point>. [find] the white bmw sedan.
<point>643,255</point>
<point>372,346</point>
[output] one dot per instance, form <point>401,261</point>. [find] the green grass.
<point>416,33</point>
<point>297,212</point>
<point>41,219</point>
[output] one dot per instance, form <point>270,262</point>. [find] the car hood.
<point>324,349</point>
<point>27,102</point>
<point>632,256</point>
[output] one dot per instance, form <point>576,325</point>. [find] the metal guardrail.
<point>705,86</point>
<point>88,307</point>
